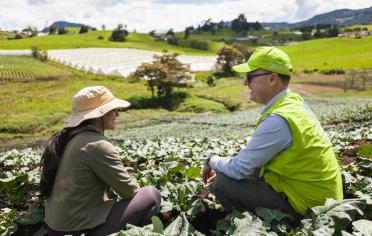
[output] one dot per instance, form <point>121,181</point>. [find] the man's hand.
<point>208,174</point>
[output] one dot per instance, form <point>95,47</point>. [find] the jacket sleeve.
<point>106,165</point>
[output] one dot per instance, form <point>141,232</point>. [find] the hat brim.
<point>244,68</point>
<point>76,118</point>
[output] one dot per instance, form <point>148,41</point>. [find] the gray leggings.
<point>136,211</point>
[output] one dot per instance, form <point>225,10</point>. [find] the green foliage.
<point>333,217</point>
<point>89,39</point>
<point>7,221</point>
<point>164,73</point>
<point>365,151</point>
<point>229,57</point>
<point>362,227</point>
<point>200,105</point>
<point>180,226</point>
<point>199,44</point>
<point>39,54</point>
<point>173,166</point>
<point>83,29</point>
<point>240,24</point>
<point>53,29</point>
<point>238,223</point>
<point>14,187</point>
<point>119,34</point>
<point>62,31</point>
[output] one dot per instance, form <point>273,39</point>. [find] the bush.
<point>83,29</point>
<point>62,31</point>
<point>199,44</point>
<point>172,40</point>
<point>210,81</point>
<point>200,105</point>
<point>336,71</point>
<point>229,57</point>
<point>171,103</point>
<point>39,54</point>
<point>101,37</point>
<point>119,35</point>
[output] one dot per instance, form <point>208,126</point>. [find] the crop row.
<point>15,75</point>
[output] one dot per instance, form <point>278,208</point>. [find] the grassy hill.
<point>331,53</point>
<point>318,54</point>
<point>5,35</point>
<point>90,39</point>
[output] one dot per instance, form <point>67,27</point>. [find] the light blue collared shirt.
<point>272,136</point>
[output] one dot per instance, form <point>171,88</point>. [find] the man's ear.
<point>274,79</point>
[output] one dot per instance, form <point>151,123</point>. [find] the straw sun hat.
<point>92,102</point>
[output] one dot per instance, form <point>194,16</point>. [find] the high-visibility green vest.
<point>307,172</point>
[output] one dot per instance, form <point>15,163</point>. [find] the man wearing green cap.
<point>289,162</point>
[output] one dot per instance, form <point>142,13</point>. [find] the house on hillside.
<point>250,38</point>
<point>355,34</point>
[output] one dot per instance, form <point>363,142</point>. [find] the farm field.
<point>29,115</point>
<point>331,53</point>
<point>172,163</point>
<point>90,39</point>
<point>16,69</point>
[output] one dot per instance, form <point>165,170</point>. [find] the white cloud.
<point>161,15</point>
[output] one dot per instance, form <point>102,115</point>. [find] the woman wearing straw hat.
<point>80,168</point>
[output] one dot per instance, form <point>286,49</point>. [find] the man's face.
<point>259,84</point>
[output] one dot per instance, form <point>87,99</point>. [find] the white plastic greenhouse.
<point>114,61</point>
<point>120,61</point>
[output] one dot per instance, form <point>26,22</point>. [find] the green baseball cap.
<point>266,58</point>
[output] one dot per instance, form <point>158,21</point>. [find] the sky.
<point>161,15</point>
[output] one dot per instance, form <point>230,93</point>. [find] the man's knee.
<point>221,184</point>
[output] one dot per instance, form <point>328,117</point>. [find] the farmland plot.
<point>172,164</point>
<point>23,68</point>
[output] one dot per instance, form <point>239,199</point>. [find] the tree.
<point>53,29</point>
<point>171,37</point>
<point>257,26</point>
<point>188,31</point>
<point>164,73</point>
<point>83,29</point>
<point>221,24</point>
<point>170,32</point>
<point>240,24</point>
<point>229,57</point>
<point>103,27</point>
<point>152,33</point>
<point>244,50</point>
<point>32,31</point>
<point>119,34</point>
<point>62,30</point>
<point>333,31</point>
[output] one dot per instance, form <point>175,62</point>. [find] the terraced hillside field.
<point>17,69</point>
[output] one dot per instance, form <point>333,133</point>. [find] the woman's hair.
<point>52,157</point>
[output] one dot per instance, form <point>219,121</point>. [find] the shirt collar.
<point>273,100</point>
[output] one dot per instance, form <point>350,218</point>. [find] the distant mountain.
<point>344,17</point>
<point>64,24</point>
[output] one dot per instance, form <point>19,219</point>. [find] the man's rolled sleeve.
<point>272,136</point>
